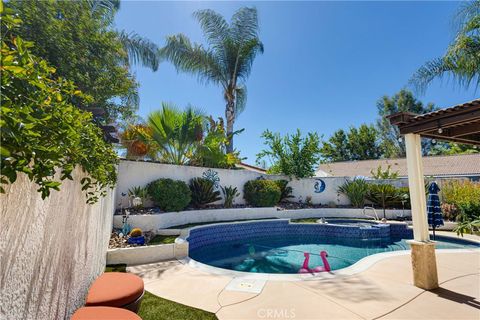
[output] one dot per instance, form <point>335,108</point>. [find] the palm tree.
<point>462,60</point>
<point>226,62</point>
<point>175,132</point>
<point>139,50</point>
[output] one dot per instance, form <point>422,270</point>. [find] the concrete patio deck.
<point>383,291</point>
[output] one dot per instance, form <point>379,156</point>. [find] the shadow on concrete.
<point>457,297</point>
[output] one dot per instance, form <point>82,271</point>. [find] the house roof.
<point>250,167</point>
<point>454,165</point>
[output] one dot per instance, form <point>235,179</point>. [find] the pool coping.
<point>359,266</point>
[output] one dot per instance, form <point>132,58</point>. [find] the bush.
<point>170,195</point>
<point>356,190</point>
<point>464,196</point>
<point>285,190</point>
<point>261,193</point>
<point>136,232</point>
<point>203,192</point>
<point>229,195</point>
<point>383,195</point>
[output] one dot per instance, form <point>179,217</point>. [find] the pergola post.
<point>423,250</point>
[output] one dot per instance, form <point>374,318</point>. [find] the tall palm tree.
<point>462,60</point>
<point>175,132</point>
<point>227,61</point>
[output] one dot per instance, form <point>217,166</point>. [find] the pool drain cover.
<point>245,285</point>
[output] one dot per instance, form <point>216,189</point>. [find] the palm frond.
<point>214,27</point>
<point>244,25</point>
<point>240,100</point>
<point>140,50</point>
<point>193,58</point>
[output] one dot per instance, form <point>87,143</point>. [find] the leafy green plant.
<point>42,132</point>
<point>465,197</point>
<point>383,195</point>
<point>211,150</point>
<point>261,193</point>
<point>138,192</point>
<point>229,195</point>
<point>292,155</point>
<point>203,192</point>
<point>356,190</point>
<point>285,190</point>
<point>170,195</point>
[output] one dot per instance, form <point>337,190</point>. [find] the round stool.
<point>104,313</point>
<point>116,289</point>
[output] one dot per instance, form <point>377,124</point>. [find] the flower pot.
<point>140,240</point>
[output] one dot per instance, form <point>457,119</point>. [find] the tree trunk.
<point>230,117</point>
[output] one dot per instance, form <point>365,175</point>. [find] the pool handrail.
<point>374,211</point>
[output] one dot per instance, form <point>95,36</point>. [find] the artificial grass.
<point>305,220</point>
<point>156,308</point>
<point>190,225</point>
<point>159,239</point>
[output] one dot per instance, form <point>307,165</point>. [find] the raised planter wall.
<point>154,222</point>
<point>141,255</point>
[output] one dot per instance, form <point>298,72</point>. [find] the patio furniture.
<point>104,313</point>
<point>116,289</point>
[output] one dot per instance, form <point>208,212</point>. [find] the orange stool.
<point>116,289</point>
<point>104,313</point>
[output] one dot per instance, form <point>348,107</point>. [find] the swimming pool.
<point>278,246</point>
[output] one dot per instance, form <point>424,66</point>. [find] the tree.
<point>42,132</point>
<point>392,141</point>
<point>175,132</point>
<point>292,155</point>
<point>356,144</point>
<point>227,61</point>
<point>462,60</point>
<point>78,39</point>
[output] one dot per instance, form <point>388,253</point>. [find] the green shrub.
<point>285,190</point>
<point>229,195</point>
<point>464,196</point>
<point>170,195</point>
<point>383,195</point>
<point>261,193</point>
<point>203,192</point>
<point>356,190</point>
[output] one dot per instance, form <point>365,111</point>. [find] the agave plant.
<point>356,190</point>
<point>139,195</point>
<point>203,192</point>
<point>229,195</point>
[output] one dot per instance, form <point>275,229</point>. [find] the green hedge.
<point>170,195</point>
<point>261,193</point>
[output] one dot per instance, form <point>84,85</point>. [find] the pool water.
<point>284,254</point>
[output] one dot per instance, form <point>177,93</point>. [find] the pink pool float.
<point>306,269</point>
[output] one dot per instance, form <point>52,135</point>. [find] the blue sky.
<point>324,67</point>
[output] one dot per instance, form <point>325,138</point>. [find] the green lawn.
<point>156,308</point>
<point>159,239</point>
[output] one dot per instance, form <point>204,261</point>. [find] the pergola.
<point>460,123</point>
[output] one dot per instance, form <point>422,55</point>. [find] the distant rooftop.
<point>438,166</point>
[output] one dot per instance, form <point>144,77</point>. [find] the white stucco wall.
<point>154,222</point>
<point>51,250</point>
<point>140,173</point>
<point>141,255</point>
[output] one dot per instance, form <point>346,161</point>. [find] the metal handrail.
<point>374,211</point>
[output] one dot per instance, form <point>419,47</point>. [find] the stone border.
<point>154,222</point>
